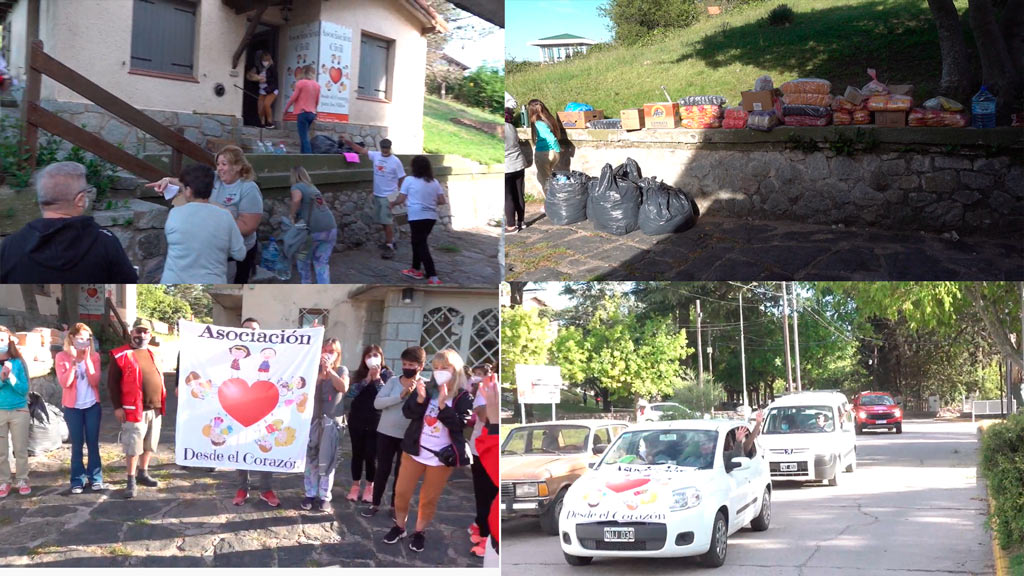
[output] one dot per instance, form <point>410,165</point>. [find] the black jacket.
<point>453,417</point>
<point>64,251</point>
<point>271,76</point>
<point>361,413</point>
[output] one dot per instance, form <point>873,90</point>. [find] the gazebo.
<point>561,47</point>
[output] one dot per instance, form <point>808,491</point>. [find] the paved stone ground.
<point>462,258</point>
<point>735,249</point>
<point>189,520</point>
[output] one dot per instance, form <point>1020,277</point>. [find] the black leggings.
<point>420,250</point>
<point>364,451</point>
<point>244,268</point>
<point>515,198</point>
<point>485,492</point>
<point>389,452</point>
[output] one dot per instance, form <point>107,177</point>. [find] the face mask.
<point>476,380</point>
<point>138,341</point>
<point>3,348</point>
<point>82,344</point>
<point>784,427</point>
<point>373,362</point>
<point>442,377</point>
<point>410,373</point>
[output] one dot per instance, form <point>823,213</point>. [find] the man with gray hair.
<point>64,246</point>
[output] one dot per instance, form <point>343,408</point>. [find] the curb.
<point>1001,557</point>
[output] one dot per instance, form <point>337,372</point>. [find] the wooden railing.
<point>112,319</point>
<point>36,117</point>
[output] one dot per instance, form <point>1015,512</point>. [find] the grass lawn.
<point>836,40</point>
<point>1017,564</point>
<point>441,136</point>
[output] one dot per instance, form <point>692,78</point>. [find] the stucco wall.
<point>14,40</point>
<point>10,299</point>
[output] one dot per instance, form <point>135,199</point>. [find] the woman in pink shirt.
<point>306,98</point>
<point>78,372</point>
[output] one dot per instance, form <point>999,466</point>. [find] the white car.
<point>663,411</point>
<point>666,489</point>
<point>810,436</point>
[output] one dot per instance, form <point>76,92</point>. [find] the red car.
<point>877,410</point>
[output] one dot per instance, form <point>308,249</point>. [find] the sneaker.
<point>353,494</point>
<point>394,535</point>
<point>435,281</point>
<point>477,539</point>
<point>307,503</point>
<point>370,512</point>
<point>5,489</point>
<point>326,507</point>
<point>240,497</point>
<point>418,542</point>
<point>271,126</point>
<point>473,529</point>
<point>77,489</point>
<point>512,230</point>
<point>414,274</point>
<point>388,253</point>
<point>368,493</point>
<point>143,477</point>
<point>99,486</point>
<point>131,490</point>
<point>270,498</point>
<point>479,550</point>
<point>23,488</point>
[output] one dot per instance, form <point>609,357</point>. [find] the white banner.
<point>301,48</point>
<point>245,397</point>
<point>538,384</point>
<point>90,299</point>
<point>334,73</point>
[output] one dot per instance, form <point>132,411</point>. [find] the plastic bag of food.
<point>702,100</point>
<point>890,103</point>
<point>700,124</point>
<point>841,103</point>
<point>763,120</point>
<point>802,99</point>
<point>797,110</point>
<point>807,121</point>
<point>807,86</point>
<point>565,199</point>
<point>664,209</point>
<point>942,103</point>
<point>937,118</point>
<point>700,111</point>
<point>735,118</point>
<point>874,88</point>
<point>578,107</point>
<point>614,202</point>
<point>842,117</point>
<point>764,83</point>
<point>862,117</point>
<point>605,124</point>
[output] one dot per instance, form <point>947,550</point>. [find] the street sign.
<point>538,384</point>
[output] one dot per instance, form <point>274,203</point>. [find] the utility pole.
<point>785,337</point>
<point>743,353</point>
<point>700,352</point>
<point>711,366</point>
<point>796,342</point>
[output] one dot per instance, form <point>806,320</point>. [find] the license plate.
<point>787,467</point>
<point>878,421</point>
<point>619,535</point>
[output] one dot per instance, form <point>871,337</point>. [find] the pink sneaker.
<point>415,274</point>
<point>474,530</point>
<point>353,494</point>
<point>5,489</point>
<point>434,282</point>
<point>23,488</point>
<point>368,492</point>
<point>479,550</point>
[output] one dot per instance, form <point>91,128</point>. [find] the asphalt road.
<point>915,505</point>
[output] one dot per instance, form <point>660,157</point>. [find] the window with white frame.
<point>483,340</point>
<point>313,317</point>
<point>374,61</point>
<point>164,36</point>
<point>442,328</point>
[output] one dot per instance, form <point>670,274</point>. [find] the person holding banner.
<point>363,418</point>
<point>136,387</point>
<point>483,488</point>
<point>392,425</point>
<point>266,489</point>
<point>78,373</point>
<point>434,443</point>
<point>325,429</point>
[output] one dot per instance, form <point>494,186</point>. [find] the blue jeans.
<point>320,255</point>
<point>304,120</point>
<point>84,429</point>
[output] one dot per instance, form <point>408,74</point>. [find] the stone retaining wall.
<point>909,185</point>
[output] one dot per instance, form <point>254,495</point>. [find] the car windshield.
<point>799,420</point>
<point>552,439</point>
<point>876,400</point>
<point>693,448</point>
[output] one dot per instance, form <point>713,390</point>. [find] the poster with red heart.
<point>90,300</point>
<point>328,48</point>
<point>245,397</point>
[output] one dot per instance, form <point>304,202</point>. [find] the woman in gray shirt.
<point>325,430</point>
<point>515,173</point>
<point>308,206</point>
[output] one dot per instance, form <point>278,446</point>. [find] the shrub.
<point>1002,464</point>
<point>781,15</point>
<point>633,20</point>
<point>14,162</point>
<point>484,88</point>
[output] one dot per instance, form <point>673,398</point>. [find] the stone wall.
<point>912,185</point>
<point>403,325</point>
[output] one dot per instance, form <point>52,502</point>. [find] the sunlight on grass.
<point>441,136</point>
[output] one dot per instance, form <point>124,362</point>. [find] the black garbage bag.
<point>565,199</point>
<point>614,202</point>
<point>47,429</point>
<point>664,209</point>
<point>322,144</point>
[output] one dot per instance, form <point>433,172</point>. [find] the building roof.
<point>564,37</point>
<point>454,62</point>
<point>563,40</point>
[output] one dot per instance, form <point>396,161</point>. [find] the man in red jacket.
<point>136,388</point>
<point>487,448</point>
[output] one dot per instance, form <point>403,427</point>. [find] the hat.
<point>385,143</point>
<point>139,322</point>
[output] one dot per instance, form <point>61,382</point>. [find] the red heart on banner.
<point>92,292</point>
<point>430,420</point>
<point>247,404</point>
<point>335,74</point>
<point>626,485</point>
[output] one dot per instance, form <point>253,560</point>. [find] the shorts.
<point>382,211</point>
<point>139,437</point>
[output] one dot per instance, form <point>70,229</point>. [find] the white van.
<point>810,436</point>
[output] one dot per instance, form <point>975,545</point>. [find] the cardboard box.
<point>662,115</point>
<point>902,89</point>
<point>757,101</point>
<point>578,120</point>
<point>632,119</point>
<point>891,119</point>
<point>854,95</point>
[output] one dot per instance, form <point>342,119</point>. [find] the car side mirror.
<point>738,463</point>
<point>599,449</point>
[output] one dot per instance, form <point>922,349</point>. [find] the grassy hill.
<point>832,39</point>
<point>441,136</point>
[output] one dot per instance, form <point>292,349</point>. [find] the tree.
<point>701,398</point>
<point>197,297</point>
<point>462,26</point>
<point>523,340</point>
<point>154,302</point>
<point>634,20</point>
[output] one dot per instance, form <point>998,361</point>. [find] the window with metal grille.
<point>164,36</point>
<point>483,340</point>
<point>313,317</point>
<point>442,328</point>
<point>374,59</point>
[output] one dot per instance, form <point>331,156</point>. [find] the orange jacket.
<point>131,384</point>
<point>67,376</point>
